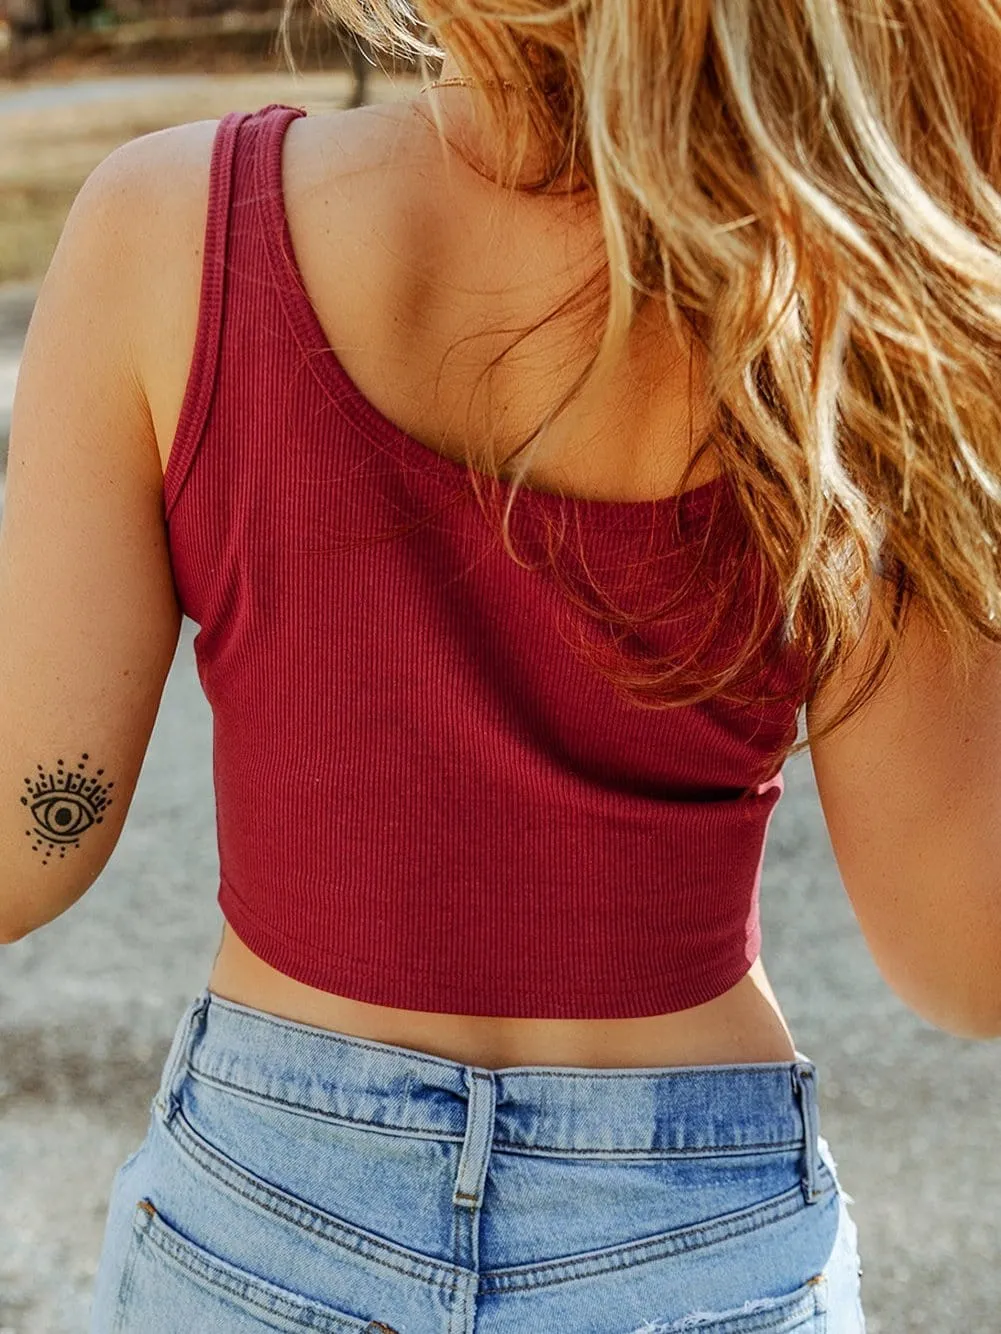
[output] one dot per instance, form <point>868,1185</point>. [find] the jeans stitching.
<point>682,1240</point>
<point>709,1151</point>
<point>210,1270</point>
<point>288,1208</point>
<point>128,1275</point>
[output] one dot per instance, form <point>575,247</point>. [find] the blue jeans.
<point>294,1178</point>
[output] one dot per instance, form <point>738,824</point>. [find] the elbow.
<point>27,911</point>
<point>962,1013</point>
<point>15,924</point>
<point>984,1026</point>
<point>949,977</point>
<point>15,928</point>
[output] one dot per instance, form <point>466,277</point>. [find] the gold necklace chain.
<point>469,83</point>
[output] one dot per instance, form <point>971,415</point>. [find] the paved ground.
<point>77,93</point>
<point>88,1005</point>
<point>16,301</point>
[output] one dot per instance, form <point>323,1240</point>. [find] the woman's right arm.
<point>910,789</point>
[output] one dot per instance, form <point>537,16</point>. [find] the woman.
<point>502,688</point>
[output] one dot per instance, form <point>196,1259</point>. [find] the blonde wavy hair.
<point>810,188</point>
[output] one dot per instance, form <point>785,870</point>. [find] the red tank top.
<point>426,796</point>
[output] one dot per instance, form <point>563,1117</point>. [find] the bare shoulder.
<point>168,173</point>
<point>334,200</point>
<point>156,186</point>
<point>362,202</point>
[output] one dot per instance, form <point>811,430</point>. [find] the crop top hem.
<point>464,996</point>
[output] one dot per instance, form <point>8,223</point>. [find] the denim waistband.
<point>708,1109</point>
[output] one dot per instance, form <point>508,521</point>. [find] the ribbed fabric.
<point>427,797</point>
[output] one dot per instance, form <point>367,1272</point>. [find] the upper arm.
<point>89,619</point>
<point>910,792</point>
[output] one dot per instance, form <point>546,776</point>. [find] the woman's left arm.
<point>89,620</point>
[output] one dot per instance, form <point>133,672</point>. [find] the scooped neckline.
<point>349,399</point>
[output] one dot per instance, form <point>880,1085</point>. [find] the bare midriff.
<point>375,248</point>
<point>744,1024</point>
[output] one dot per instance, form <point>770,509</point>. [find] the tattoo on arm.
<point>62,805</point>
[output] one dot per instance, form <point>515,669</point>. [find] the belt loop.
<point>166,1100</point>
<point>805,1087</point>
<point>478,1140</point>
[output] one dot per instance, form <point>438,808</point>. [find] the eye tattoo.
<point>63,805</point>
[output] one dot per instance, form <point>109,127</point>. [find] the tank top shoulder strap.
<point>273,223</point>
<point>245,199</point>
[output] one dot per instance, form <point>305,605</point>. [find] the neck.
<point>457,106</point>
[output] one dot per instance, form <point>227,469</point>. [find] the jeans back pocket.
<point>803,1311</point>
<point>169,1283</point>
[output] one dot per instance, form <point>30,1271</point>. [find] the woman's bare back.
<point>402,260</point>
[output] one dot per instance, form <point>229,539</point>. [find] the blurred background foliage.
<point>150,64</point>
